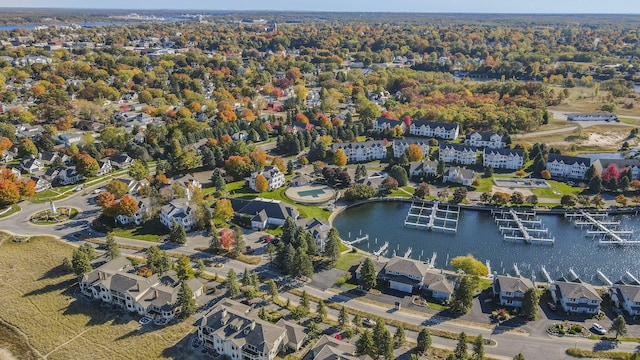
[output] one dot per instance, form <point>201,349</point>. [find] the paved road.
<point>534,345</point>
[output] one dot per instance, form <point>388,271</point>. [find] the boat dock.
<point>357,240</point>
<point>597,225</point>
<point>433,217</point>
<point>408,253</point>
<point>522,226</point>
<point>545,273</point>
<point>603,278</point>
<point>382,249</point>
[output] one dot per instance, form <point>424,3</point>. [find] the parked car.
<point>552,306</point>
<point>598,329</point>
<point>250,250</point>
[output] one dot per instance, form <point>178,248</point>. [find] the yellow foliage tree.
<point>339,158</point>
<point>469,265</point>
<point>414,152</point>
<point>261,183</point>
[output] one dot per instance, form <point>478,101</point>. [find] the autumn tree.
<point>261,184</point>
<point>117,188</point>
<point>138,170</point>
<point>227,239</point>
<point>339,158</point>
<point>27,148</point>
<point>223,210</point>
<point>9,192</point>
<point>414,152</point>
<point>469,265</point>
<point>86,165</point>
<point>127,206</point>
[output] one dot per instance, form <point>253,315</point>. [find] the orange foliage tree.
<point>261,183</point>
<point>227,239</point>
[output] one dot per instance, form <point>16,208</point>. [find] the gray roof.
<point>458,147</point>
<point>422,166</point>
<point>406,266</point>
<point>329,348</point>
<point>632,292</point>
<point>356,145</point>
<point>577,289</point>
<point>601,164</point>
<point>513,284</point>
<point>505,152</point>
<point>463,172</point>
<point>436,281</point>
<point>295,332</point>
<point>569,159</point>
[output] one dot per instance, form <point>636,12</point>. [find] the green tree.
<point>332,247</point>
<point>368,276</point>
<point>113,251</point>
<point>518,356</point>
<point>361,172</point>
<point>246,277</point>
<point>214,243</point>
<point>357,322</point>
<point>463,295</point>
<point>365,345</point>
<point>273,289</point>
<point>184,269</point>
<point>382,340</point>
<point>186,300</point>
<point>158,261</point>
<point>67,266</point>
<point>469,265</point>
<point>343,317</point>
<point>240,245</point>
<point>530,303</point>
<point>177,235</point>
<point>478,348</point>
<point>27,148</point>
<point>619,326</point>
<point>138,170</point>
<point>201,268</point>
<point>80,262</point>
<point>89,250</point>
<point>460,352</point>
<point>304,301</point>
<point>424,341</point>
<point>86,165</point>
<point>399,338</point>
<point>569,200</point>
<point>231,283</point>
<point>400,174</point>
<point>321,310</point>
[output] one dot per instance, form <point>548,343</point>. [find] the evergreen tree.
<point>343,317</point>
<point>332,247</point>
<point>478,348</point>
<point>231,283</point>
<point>530,303</point>
<point>289,167</point>
<point>424,341</point>
<point>619,326</point>
<point>590,173</point>
<point>270,250</point>
<point>368,274</point>
<point>382,340</point>
<point>214,244</point>
<point>66,265</point>
<point>288,230</point>
<point>255,282</point>
<point>178,235</point>
<point>365,345</point>
<point>595,184</point>
<point>183,268</point>
<point>519,356</point>
<point>357,322</point>
<point>289,266</point>
<point>400,174</point>
<point>113,251</point>
<point>201,268</point>
<point>305,266</point>
<point>186,301</point>
<point>273,289</point>
<point>246,277</point>
<point>321,310</point>
<point>304,301</point>
<point>460,351</point>
<point>463,295</point>
<point>312,248</point>
<point>399,338</point>
<point>89,250</point>
<point>80,262</point>
<point>361,172</point>
<point>240,245</point>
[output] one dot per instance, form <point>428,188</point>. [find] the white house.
<point>235,330</point>
<point>104,167</point>
<point>568,166</point>
<point>117,283</point>
<point>143,209</point>
<point>319,229</point>
<point>502,158</point>
<point>6,157</point>
<point>407,275</point>
<point>41,183</point>
<point>423,168</point>
<point>486,139</point>
<point>458,154</point>
<point>69,176</point>
<point>626,296</point>
<point>183,214</point>
<point>510,290</point>
<point>275,178</point>
<point>384,124</point>
<point>31,165</point>
<point>448,131</point>
<point>362,151</point>
<point>264,212</point>
<point>576,297</point>
<point>400,146</point>
<point>631,164</point>
<point>459,175</point>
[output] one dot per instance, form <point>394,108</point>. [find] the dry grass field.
<point>42,319</point>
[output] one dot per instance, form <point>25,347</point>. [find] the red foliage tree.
<point>227,239</point>
<point>611,171</point>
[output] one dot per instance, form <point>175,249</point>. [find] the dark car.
<point>250,250</point>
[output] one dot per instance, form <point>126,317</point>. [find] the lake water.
<point>478,234</point>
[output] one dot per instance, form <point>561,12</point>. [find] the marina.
<point>521,226</point>
<point>478,234</point>
<point>433,217</point>
<point>597,225</point>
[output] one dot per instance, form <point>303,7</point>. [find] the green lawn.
<point>405,191</point>
<point>560,189</point>
<point>152,230</point>
<point>237,186</point>
<point>14,209</point>
<point>347,260</point>
<point>484,184</point>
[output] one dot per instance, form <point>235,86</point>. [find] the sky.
<point>456,6</point>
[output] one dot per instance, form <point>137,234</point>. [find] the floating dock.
<point>522,226</point>
<point>597,225</point>
<point>357,240</point>
<point>382,249</point>
<point>433,217</point>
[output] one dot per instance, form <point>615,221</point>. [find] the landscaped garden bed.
<point>568,329</point>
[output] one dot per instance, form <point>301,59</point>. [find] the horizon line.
<point>3,8</point>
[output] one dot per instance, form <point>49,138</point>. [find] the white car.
<point>368,322</point>
<point>598,329</point>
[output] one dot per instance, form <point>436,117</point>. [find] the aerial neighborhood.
<point>264,185</point>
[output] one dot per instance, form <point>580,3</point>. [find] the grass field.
<point>37,298</point>
<point>14,209</point>
<point>347,260</point>
<point>151,230</point>
<point>559,188</point>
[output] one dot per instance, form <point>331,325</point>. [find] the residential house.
<point>42,184</point>
<point>182,214</point>
<point>31,165</point>
<point>138,217</point>
<point>330,348</point>
<point>190,183</point>
<point>104,167</point>
<point>319,229</point>
<point>275,178</point>
<point>384,124</point>
<point>448,131</point>
<point>69,176</point>
<point>235,330</point>
<point>631,164</point>
<point>423,168</point>
<point>459,175</point>
<point>121,160</point>
<point>458,154</point>
<point>502,158</point>
<point>486,139</point>
<point>264,212</point>
<point>296,334</point>
<point>242,135</point>
<point>133,186</point>
<point>70,138</point>
<point>300,180</point>
<point>400,146</point>
<point>626,296</point>
<point>572,167</point>
<point>48,157</point>
<point>6,157</point>
<point>117,283</point>
<point>375,182</point>
<point>362,151</point>
<point>576,297</point>
<point>510,290</point>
